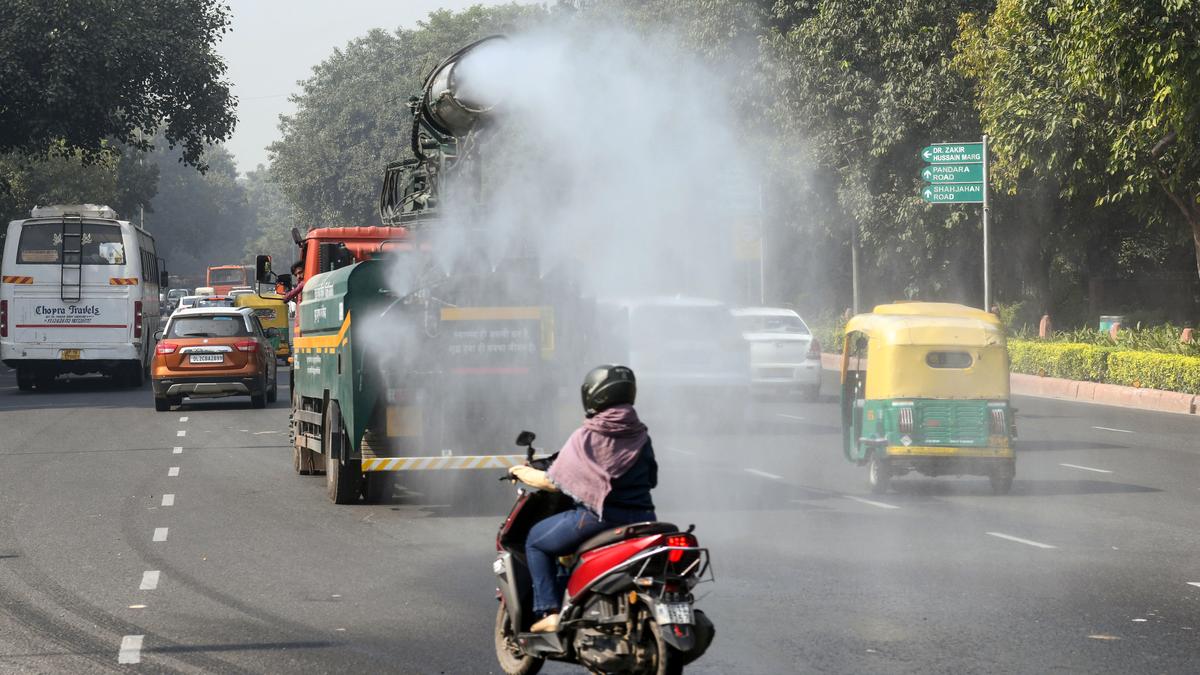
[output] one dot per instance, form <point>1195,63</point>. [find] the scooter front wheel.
<point>512,660</point>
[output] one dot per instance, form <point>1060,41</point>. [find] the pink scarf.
<point>602,449</point>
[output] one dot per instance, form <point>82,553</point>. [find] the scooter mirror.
<point>526,438</point>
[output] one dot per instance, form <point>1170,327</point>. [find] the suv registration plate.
<point>70,355</point>
<point>206,358</point>
<point>673,612</point>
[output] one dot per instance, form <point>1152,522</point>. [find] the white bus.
<point>78,294</point>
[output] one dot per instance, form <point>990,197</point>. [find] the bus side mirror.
<point>262,269</point>
<point>163,279</point>
<point>158,335</point>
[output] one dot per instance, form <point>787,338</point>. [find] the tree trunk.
<point>1189,207</point>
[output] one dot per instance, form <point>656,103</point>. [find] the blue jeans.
<point>559,535</point>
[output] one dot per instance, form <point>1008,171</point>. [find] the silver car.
<point>784,355</point>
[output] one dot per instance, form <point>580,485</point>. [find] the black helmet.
<point>606,386</point>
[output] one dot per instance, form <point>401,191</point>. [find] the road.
<point>190,529</point>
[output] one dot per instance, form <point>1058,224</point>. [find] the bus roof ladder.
<point>71,261</point>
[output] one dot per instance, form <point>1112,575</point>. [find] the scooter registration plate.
<point>673,612</point>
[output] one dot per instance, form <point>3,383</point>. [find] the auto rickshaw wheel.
<point>1001,478</point>
<point>879,473</point>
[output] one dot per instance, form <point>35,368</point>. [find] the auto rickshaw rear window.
<point>949,359</point>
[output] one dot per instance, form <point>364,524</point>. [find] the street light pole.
<point>854,266</point>
<point>987,275</point>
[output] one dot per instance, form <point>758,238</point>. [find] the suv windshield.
<point>772,324</point>
<point>43,244</point>
<point>208,326</point>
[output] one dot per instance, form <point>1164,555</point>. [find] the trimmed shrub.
<point>1068,360</point>
<point>1170,372</point>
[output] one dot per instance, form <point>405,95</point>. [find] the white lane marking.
<point>131,649</point>
<point>178,450</point>
<point>160,534</point>
<point>137,607</point>
<point>181,432</point>
<point>764,474</point>
<point>183,419</point>
<point>259,433</point>
<point>1027,542</point>
<point>1084,468</point>
<point>168,500</point>
<point>1119,431</point>
<point>173,471</point>
<point>872,503</point>
<point>1194,583</point>
<point>682,452</point>
<point>149,580</point>
<point>790,417</point>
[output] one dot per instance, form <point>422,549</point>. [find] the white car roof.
<point>210,311</point>
<point>765,311</point>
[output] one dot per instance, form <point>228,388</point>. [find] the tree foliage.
<point>352,117</point>
<point>74,75</point>
<point>1098,97</point>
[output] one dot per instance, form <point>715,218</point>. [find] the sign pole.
<point>987,276</point>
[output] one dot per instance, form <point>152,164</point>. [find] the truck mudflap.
<point>442,462</point>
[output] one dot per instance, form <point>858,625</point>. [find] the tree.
<point>74,75</point>
<point>352,117</point>
<point>1097,97</point>
<point>862,86</point>
<point>272,217</point>
<point>121,179</point>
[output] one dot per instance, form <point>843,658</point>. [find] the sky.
<point>273,44</point>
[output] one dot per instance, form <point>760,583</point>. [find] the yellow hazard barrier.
<point>447,462</point>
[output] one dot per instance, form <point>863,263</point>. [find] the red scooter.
<point>628,607</point>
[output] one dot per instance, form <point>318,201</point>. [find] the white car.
<point>784,355</point>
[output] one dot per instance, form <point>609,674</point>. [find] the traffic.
<point>548,342</point>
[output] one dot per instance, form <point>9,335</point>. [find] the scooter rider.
<point>607,467</point>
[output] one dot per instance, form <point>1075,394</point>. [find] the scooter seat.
<point>616,534</point>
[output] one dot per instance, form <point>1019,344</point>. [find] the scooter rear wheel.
<point>512,660</point>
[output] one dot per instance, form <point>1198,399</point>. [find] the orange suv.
<point>209,352</point>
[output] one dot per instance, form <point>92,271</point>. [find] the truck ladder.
<point>71,262</point>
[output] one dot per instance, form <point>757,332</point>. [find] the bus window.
<point>42,244</point>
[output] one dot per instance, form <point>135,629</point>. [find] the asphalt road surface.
<point>190,529</point>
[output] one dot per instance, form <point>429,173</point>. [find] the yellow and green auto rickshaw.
<point>272,312</point>
<point>925,388</point>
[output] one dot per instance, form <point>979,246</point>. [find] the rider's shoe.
<point>548,624</point>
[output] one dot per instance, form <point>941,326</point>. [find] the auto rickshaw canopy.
<point>928,350</point>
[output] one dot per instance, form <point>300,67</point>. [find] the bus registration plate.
<point>70,355</point>
<point>206,358</point>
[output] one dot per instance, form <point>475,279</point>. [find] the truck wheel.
<point>24,379</point>
<point>1001,478</point>
<point>879,474</point>
<point>343,477</point>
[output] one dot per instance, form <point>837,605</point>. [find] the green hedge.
<point>1091,363</point>
<point>1071,361</point>
<point>1171,372</point>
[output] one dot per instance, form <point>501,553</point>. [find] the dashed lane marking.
<point>881,505</point>
<point>131,649</point>
<point>764,474</point>
<point>181,432</point>
<point>183,419</point>
<point>178,450</point>
<point>1194,583</point>
<point>149,580</point>
<point>168,500</point>
<point>1084,468</point>
<point>160,534</point>
<point>683,452</point>
<point>1027,542</point>
<point>173,471</point>
<point>790,417</point>
<point>1119,431</point>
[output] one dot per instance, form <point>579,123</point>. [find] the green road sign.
<point>952,153</point>
<point>970,193</point>
<point>953,173</point>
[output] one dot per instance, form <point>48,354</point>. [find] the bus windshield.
<point>228,275</point>
<point>43,244</point>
